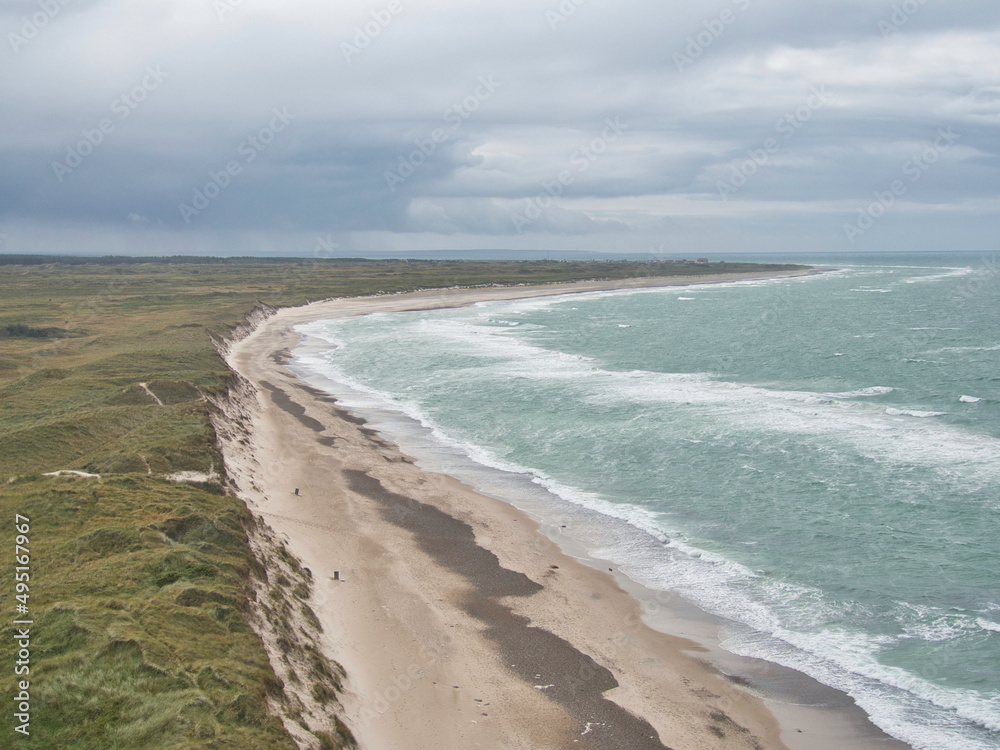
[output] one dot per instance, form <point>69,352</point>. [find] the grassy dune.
<point>141,587</point>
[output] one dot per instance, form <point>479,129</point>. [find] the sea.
<point>813,460</point>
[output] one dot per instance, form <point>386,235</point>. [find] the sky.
<point>310,128</point>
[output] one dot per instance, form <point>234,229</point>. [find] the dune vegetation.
<point>143,580</point>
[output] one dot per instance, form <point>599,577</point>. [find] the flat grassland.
<point>139,588</point>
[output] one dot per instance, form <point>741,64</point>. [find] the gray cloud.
<point>431,125</point>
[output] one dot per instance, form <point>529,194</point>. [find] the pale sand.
<point>460,625</point>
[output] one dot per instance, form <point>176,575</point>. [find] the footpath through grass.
<point>137,590</point>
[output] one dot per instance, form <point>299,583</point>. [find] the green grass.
<point>139,637</point>
<point>140,586</point>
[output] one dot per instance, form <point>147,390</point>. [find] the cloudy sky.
<point>306,127</point>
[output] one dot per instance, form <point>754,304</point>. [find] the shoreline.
<point>436,599</point>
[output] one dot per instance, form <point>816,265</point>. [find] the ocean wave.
<point>794,617</point>
<point>534,304</point>
<point>933,624</point>
<point>914,413</point>
<point>361,396</point>
<point>322,330</point>
<point>876,390</point>
<point>951,274</point>
<point>873,430</point>
<point>963,349</point>
<point>846,658</point>
<point>970,399</point>
<point>903,703</point>
<point>967,349</point>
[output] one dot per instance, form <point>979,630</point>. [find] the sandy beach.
<point>459,624</point>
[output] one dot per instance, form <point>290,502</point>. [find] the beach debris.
<point>543,687</point>
<point>200,477</point>
<point>296,490</point>
<point>69,473</point>
<point>195,476</point>
<point>336,575</point>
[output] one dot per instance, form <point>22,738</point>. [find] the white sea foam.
<point>535,304</point>
<point>933,624</point>
<point>913,413</point>
<point>795,619</point>
<point>322,330</point>
<point>970,399</point>
<point>967,349</point>
<point>876,390</point>
<point>897,700</point>
<point>951,274</point>
<point>364,397</point>
<point>874,431</point>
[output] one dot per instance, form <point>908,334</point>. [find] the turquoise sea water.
<point>816,460</point>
